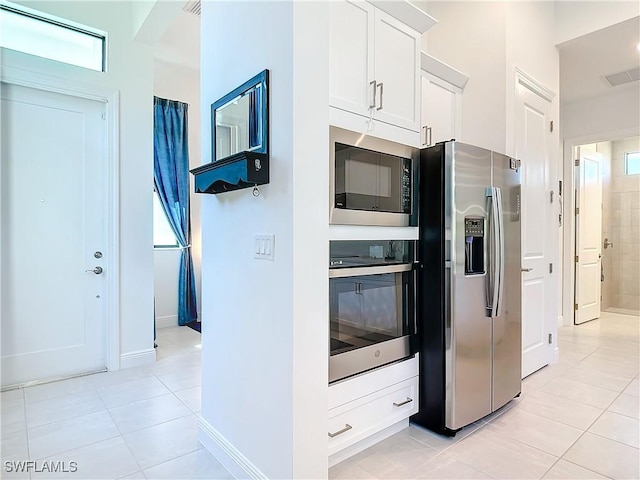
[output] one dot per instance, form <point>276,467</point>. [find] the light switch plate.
<point>264,247</point>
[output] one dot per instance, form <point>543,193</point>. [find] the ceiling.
<point>586,60</point>
<point>180,44</point>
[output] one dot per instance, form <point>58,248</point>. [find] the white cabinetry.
<point>365,409</point>
<point>441,102</point>
<point>374,68</point>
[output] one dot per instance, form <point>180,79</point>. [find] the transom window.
<point>632,163</point>
<point>35,33</point>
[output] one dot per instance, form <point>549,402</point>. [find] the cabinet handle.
<point>408,400</point>
<point>430,136</point>
<point>425,143</point>
<point>346,428</point>
<point>373,94</point>
<point>381,93</point>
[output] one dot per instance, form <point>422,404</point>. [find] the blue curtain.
<point>171,177</point>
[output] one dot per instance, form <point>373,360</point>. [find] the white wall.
<point>470,36</point>
<point>577,18</point>
<point>129,72</point>
<point>602,116</point>
<point>265,328</point>
<point>181,83</point>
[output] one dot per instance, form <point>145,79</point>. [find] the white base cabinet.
<point>370,406</point>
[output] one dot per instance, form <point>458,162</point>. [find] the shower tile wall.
<point>624,218</point>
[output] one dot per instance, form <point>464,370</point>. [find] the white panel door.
<point>351,56</point>
<point>439,107</point>
<point>397,72</point>
<point>533,149</point>
<point>588,236</point>
<point>53,210</point>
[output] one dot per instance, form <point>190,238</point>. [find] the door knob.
<point>97,270</point>
<point>607,243</point>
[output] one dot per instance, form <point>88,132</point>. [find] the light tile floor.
<point>576,419</point>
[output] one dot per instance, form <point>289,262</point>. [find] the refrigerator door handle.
<point>494,251</point>
<point>500,251</point>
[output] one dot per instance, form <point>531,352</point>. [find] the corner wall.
<point>265,327</point>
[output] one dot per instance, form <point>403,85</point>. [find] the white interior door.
<point>588,236</point>
<point>53,235</point>
<point>538,310</point>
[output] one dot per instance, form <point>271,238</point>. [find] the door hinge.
<point>577,210</point>
<point>577,162</point>
<point>103,116</point>
<point>550,338</point>
<point>577,258</point>
<point>551,196</point>
<point>551,126</point>
<point>560,187</point>
<point>575,307</point>
<point>551,268</point>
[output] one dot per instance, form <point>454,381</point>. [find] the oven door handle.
<point>359,271</point>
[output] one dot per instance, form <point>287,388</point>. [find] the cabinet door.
<point>351,56</point>
<point>397,56</point>
<point>439,110</point>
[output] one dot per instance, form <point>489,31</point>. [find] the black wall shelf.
<point>242,170</point>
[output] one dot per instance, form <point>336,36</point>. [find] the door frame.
<point>568,246</point>
<point>110,98</point>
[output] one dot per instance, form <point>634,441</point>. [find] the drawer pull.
<point>408,400</point>
<point>346,428</point>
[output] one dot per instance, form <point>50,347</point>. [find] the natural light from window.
<point>53,39</point>
<point>632,163</point>
<point>163,236</point>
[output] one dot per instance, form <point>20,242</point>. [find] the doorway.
<point>54,245</point>
<point>618,239</point>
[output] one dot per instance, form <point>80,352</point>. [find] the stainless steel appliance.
<point>469,284</point>
<point>371,180</point>
<point>372,307</point>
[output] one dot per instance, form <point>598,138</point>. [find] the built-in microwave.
<point>372,180</point>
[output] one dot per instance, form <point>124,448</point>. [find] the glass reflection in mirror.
<point>240,119</point>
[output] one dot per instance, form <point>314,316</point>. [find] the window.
<point>163,236</point>
<point>632,163</point>
<point>27,31</point>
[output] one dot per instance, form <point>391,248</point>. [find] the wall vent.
<point>193,6</point>
<point>623,77</point>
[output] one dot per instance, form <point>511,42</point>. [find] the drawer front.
<point>351,389</point>
<point>365,416</point>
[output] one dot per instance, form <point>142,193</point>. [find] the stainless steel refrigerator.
<point>469,284</point>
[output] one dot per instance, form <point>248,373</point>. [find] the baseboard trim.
<point>138,359</point>
<point>226,453</point>
<point>167,321</point>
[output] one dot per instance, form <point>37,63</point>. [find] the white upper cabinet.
<point>375,62</point>
<point>397,72</point>
<point>439,108</point>
<point>441,102</point>
<point>351,58</point>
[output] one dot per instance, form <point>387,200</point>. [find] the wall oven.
<point>372,308</point>
<point>372,180</point>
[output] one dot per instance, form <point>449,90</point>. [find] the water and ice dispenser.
<point>474,246</point>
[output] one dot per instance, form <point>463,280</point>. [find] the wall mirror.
<point>241,119</point>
